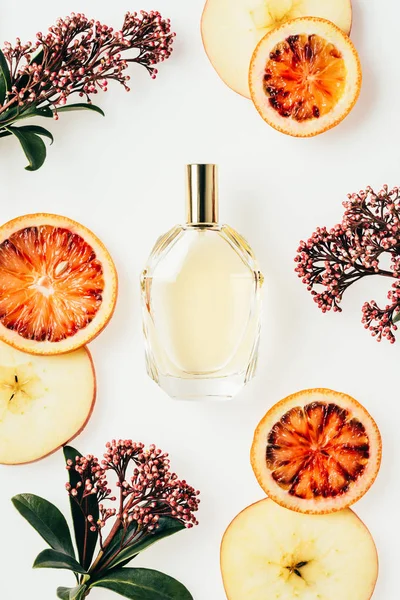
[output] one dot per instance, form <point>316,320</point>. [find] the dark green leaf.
<point>52,559</point>
<point>4,133</point>
<point>117,540</point>
<point>80,106</point>
<point>34,111</point>
<point>71,593</point>
<point>167,526</point>
<point>43,111</point>
<point>78,593</point>
<point>38,130</point>
<point>38,57</point>
<point>47,520</point>
<point>14,114</point>
<point>32,145</point>
<point>143,584</point>
<point>5,78</point>
<point>86,540</point>
<point>10,115</point>
<point>397,318</point>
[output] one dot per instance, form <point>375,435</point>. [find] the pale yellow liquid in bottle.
<point>202,300</point>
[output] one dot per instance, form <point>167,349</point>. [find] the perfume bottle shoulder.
<point>166,241</point>
<point>241,246</point>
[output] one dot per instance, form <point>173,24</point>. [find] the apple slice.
<point>271,553</point>
<point>231,30</point>
<point>45,401</point>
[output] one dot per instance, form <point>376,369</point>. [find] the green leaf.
<point>47,520</point>
<point>14,114</point>
<point>38,57</point>
<point>52,559</point>
<point>86,540</point>
<point>78,593</point>
<point>396,319</point>
<point>116,542</point>
<point>143,584</point>
<point>80,106</point>
<point>10,115</point>
<point>5,78</point>
<point>35,111</point>
<point>4,133</point>
<point>167,526</point>
<point>32,145</point>
<point>38,130</point>
<point>71,593</point>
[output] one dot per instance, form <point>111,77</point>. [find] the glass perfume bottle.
<point>201,301</point>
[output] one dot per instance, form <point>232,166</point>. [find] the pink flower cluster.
<point>330,261</point>
<point>92,481</point>
<point>81,56</point>
<point>149,492</point>
<point>92,475</point>
<point>152,490</point>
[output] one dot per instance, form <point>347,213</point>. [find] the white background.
<point>122,176</point>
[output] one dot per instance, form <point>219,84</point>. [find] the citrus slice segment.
<point>45,401</point>
<point>316,451</point>
<point>232,29</point>
<point>58,284</point>
<point>305,77</point>
<point>269,553</point>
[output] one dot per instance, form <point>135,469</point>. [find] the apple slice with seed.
<point>271,553</point>
<point>45,401</point>
<point>231,30</point>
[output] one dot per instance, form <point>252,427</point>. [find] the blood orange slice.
<point>316,451</point>
<point>305,77</point>
<point>58,284</point>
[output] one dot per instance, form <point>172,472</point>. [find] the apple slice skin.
<point>90,364</point>
<point>221,35</point>
<point>236,543</point>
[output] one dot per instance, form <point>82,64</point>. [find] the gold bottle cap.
<point>202,194</point>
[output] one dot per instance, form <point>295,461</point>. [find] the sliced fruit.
<point>270,553</point>
<point>316,451</point>
<point>305,77</point>
<point>58,284</point>
<point>231,29</point>
<point>45,401</point>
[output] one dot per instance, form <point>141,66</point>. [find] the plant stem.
<point>112,533</point>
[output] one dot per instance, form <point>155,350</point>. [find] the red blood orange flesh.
<point>316,451</point>
<point>305,77</point>
<point>58,284</point>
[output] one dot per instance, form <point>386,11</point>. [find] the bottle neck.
<point>201,194</point>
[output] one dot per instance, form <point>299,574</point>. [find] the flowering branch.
<point>76,56</point>
<point>150,493</point>
<point>330,261</point>
<point>152,503</point>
